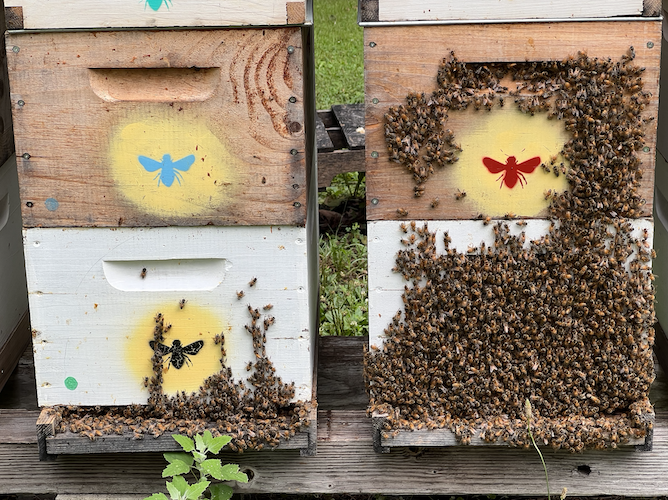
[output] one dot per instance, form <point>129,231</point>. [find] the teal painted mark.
<point>71,383</point>
<point>168,170</point>
<point>156,4</point>
<point>51,204</point>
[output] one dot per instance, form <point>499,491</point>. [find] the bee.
<point>435,202</point>
<point>402,212</point>
<point>252,282</point>
<point>182,303</point>
<point>460,194</point>
<point>178,353</point>
<point>267,307</point>
<point>143,273</point>
<point>240,295</point>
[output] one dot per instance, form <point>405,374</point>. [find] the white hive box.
<point>397,11</point>
<point>97,14</point>
<point>93,312</point>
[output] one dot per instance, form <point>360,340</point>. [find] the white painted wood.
<point>13,292</point>
<point>87,296</point>
<point>384,240</point>
<point>54,14</point>
<point>444,10</point>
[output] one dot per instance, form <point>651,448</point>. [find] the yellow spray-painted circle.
<point>171,168</point>
<point>189,325</point>
<point>499,134</point>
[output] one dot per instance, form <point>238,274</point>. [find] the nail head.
<point>291,49</point>
<point>374,201</point>
<point>650,45</point>
<point>374,154</point>
<point>15,49</point>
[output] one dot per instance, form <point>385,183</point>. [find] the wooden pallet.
<point>344,438</point>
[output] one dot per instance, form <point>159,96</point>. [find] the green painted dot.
<point>71,383</point>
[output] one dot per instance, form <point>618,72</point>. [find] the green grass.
<point>339,77</point>
<point>339,58</point>
<point>343,284</point>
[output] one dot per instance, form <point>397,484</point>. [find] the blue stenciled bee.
<point>169,170</point>
<point>156,4</point>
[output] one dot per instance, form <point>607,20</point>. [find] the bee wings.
<point>184,164</point>
<point>161,349</point>
<point>149,164</point>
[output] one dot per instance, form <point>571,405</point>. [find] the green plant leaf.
<point>199,443</point>
<point>207,437</point>
<point>231,473</point>
<point>176,456</point>
<point>213,468</point>
<point>217,443</point>
<point>199,457</point>
<point>176,468</point>
<point>173,491</point>
<point>185,442</point>
<point>157,496</point>
<point>180,483</point>
<point>221,491</point>
<point>193,492</point>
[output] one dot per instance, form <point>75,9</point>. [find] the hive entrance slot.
<point>165,275</point>
<point>154,84</point>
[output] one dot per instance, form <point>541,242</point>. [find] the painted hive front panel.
<point>480,10</point>
<point>92,14</point>
<point>113,310</point>
<point>481,133</point>
<point>155,128</point>
<point>531,281</point>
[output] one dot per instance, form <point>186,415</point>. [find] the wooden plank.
<point>340,378</point>
<point>103,301</point>
<point>426,438</point>
<point>73,444</point>
<point>183,128</point>
<point>338,162</point>
<point>449,10</point>
<point>18,426</point>
<point>351,120</point>
<point>345,437</point>
<point>323,142</point>
<point>400,60</point>
<point>41,14</point>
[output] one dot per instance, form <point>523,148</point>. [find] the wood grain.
<point>42,14</point>
<point>344,438</point>
<point>404,59</point>
<point>86,104</point>
<point>436,10</point>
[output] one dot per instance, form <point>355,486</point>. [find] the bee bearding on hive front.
<point>566,322</point>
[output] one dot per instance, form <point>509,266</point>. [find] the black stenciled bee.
<point>179,353</point>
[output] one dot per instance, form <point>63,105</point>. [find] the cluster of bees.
<point>256,414</point>
<point>565,321</point>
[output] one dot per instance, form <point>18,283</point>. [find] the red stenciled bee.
<point>512,171</point>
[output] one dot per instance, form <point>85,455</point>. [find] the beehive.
<point>14,322</point>
<point>164,184</point>
<point>499,244</point>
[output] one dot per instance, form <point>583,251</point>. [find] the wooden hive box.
<point>166,205</point>
<point>14,323</point>
<point>513,152</point>
<point>15,328</point>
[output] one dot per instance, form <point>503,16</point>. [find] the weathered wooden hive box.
<point>14,322</point>
<point>164,185</point>
<point>510,175</point>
